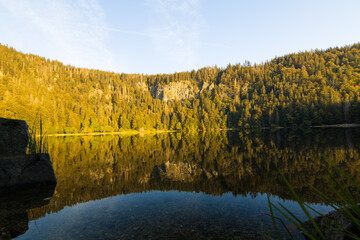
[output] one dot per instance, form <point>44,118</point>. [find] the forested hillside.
<point>307,88</point>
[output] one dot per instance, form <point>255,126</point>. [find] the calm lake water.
<point>175,186</point>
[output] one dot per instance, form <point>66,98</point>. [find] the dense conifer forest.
<point>296,90</point>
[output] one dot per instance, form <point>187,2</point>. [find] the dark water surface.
<point>174,186</point>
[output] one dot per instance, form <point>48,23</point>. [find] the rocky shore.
<point>26,180</point>
<point>17,169</point>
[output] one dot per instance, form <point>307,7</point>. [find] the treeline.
<point>296,90</point>
<point>95,167</point>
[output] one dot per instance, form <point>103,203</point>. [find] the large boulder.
<point>21,170</point>
<point>14,136</point>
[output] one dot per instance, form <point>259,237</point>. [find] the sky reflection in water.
<point>160,215</point>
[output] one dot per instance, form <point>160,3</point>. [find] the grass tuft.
<point>345,204</point>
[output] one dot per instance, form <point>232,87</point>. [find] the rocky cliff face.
<point>178,90</point>
<point>174,91</point>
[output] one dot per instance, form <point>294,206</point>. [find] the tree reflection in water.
<point>96,167</point>
<point>166,171</point>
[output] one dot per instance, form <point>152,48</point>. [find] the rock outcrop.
<point>174,91</point>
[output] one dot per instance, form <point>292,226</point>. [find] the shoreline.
<point>135,132</point>
<point>341,125</point>
<point>132,132</point>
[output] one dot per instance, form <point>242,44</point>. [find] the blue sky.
<point>165,36</point>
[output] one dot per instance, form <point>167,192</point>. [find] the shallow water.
<point>174,186</point>
<point>159,215</point>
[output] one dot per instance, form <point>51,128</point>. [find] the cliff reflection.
<point>90,168</point>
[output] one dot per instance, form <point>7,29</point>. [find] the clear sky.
<point>165,36</point>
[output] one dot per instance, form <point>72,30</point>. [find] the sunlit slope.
<point>307,88</point>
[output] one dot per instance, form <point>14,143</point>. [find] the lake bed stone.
<point>338,222</point>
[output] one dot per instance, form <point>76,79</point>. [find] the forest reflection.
<point>96,167</point>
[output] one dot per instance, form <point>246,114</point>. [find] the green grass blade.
<point>334,226</point>
<point>301,203</point>
<point>272,216</point>
<point>342,173</point>
<point>283,224</point>
<point>298,225</point>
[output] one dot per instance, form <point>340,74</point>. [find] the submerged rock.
<point>14,136</point>
<point>13,223</point>
<point>14,206</point>
<point>331,222</point>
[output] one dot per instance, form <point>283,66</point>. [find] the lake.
<point>186,186</point>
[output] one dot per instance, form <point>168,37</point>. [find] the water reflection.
<point>14,206</point>
<point>243,164</point>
